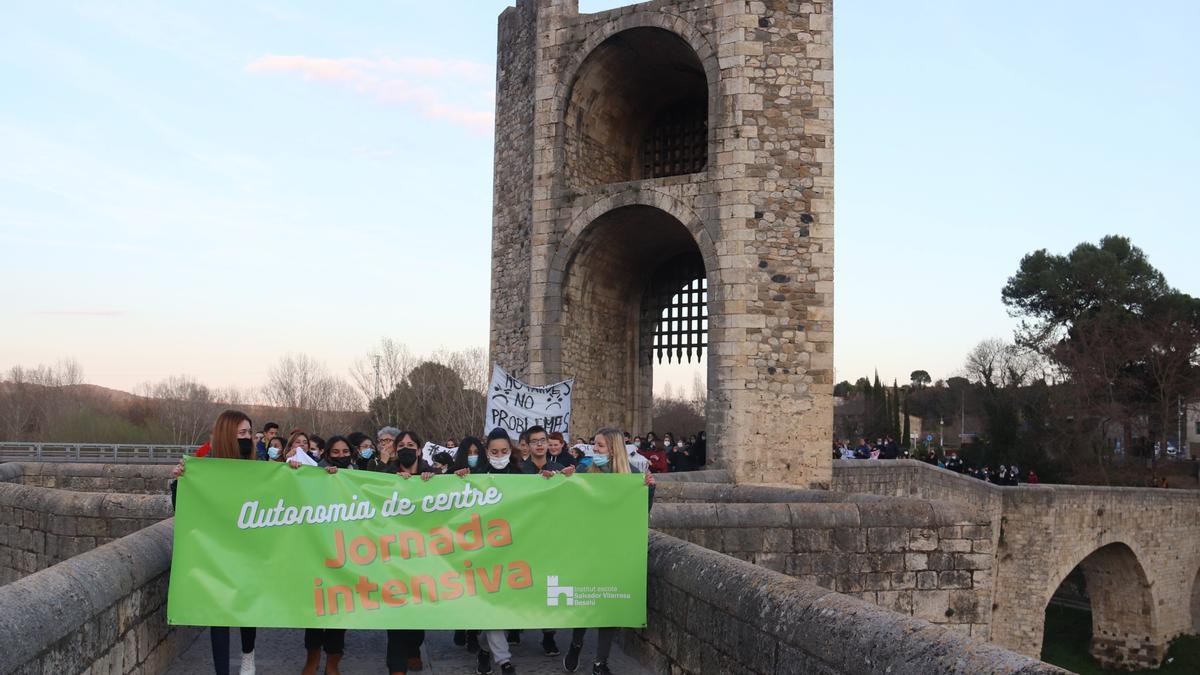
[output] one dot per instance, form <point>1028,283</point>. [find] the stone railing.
<point>708,612</point>
<point>103,611</point>
<point>928,559</point>
<point>41,527</point>
<point>705,476</point>
<point>138,479</point>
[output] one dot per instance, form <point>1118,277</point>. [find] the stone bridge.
<point>85,553</point>
<point>1138,549</point>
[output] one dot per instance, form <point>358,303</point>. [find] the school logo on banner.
<point>515,406</point>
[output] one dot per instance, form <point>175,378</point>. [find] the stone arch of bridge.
<point>1124,613</point>
<point>637,101</point>
<point>599,301</point>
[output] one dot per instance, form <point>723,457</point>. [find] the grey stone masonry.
<point>710,613</point>
<point>134,479</point>
<point>41,527</point>
<point>596,206</point>
<point>915,557</point>
<point>1138,548</point>
<point>104,611</point>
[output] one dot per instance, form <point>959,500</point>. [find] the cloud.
<point>416,82</point>
<point>79,312</point>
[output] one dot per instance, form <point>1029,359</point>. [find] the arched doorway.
<point>1111,585</point>
<point>626,267</point>
<point>638,108</point>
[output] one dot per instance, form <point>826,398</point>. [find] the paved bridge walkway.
<point>280,651</point>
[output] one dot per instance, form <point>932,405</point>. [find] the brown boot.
<point>414,663</point>
<point>311,662</point>
<point>331,664</point>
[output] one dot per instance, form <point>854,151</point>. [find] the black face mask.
<point>245,447</point>
<point>340,462</point>
<point>407,457</point>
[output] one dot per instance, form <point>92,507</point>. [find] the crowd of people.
<point>396,451</point>
<point>888,448</point>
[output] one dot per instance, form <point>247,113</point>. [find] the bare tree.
<point>183,406</point>
<point>380,372</point>
<point>313,397</point>
<point>996,363</point>
<point>34,399</point>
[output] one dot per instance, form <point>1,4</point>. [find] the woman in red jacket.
<point>232,438</point>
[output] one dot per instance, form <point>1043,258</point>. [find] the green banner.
<point>261,544</point>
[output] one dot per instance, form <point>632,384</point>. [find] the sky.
<point>200,188</point>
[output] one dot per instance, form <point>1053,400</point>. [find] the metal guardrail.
<point>121,453</point>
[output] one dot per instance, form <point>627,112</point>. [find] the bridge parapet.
<point>41,527</point>
<point>100,611</point>
<point>1138,548</point>
<point>709,612</point>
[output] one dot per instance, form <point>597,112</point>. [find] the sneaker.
<point>548,644</point>
<point>485,663</point>
<point>571,660</point>
<point>601,668</point>
<point>247,664</point>
<point>414,663</point>
<point>460,637</point>
<point>514,636</point>
<point>507,668</point>
<point>472,641</point>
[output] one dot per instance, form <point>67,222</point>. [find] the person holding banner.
<point>332,640</point>
<point>502,458</point>
<point>608,456</point>
<point>232,438</point>
<point>408,456</point>
<point>298,442</point>
<point>403,645</point>
<point>470,454</point>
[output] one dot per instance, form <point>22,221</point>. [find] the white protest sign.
<point>432,449</point>
<point>515,406</point>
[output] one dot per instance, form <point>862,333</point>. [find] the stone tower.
<point>664,187</point>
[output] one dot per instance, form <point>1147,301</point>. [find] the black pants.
<point>332,640</point>
<point>402,644</point>
<point>220,646</point>
<point>603,642</point>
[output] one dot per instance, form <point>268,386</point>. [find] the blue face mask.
<point>585,462</point>
<point>599,460</point>
<point>273,452</point>
<point>366,453</point>
<point>472,461</point>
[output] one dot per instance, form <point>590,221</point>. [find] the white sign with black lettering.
<point>515,406</point>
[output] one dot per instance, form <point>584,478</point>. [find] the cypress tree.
<point>894,418</point>
<point>905,439</point>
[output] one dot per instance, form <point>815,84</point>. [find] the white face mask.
<point>498,462</point>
